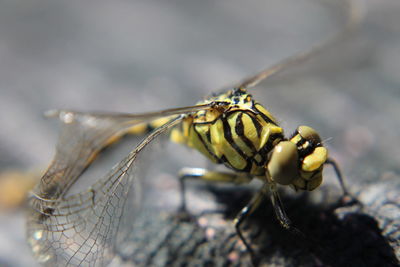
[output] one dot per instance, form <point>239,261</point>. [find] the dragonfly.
<point>229,128</point>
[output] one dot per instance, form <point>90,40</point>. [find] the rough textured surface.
<point>141,55</point>
<point>334,236</point>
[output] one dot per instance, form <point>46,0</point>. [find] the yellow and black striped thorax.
<point>238,132</point>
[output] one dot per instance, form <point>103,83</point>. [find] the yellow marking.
<point>212,114</point>
<point>315,159</point>
<point>187,123</point>
<point>267,131</point>
<point>202,130</point>
<point>216,176</point>
<point>217,137</point>
<point>200,117</point>
<point>266,112</point>
<point>264,137</point>
<point>160,122</point>
<point>142,128</point>
<point>296,139</point>
<point>138,129</point>
<point>198,130</point>
<point>180,135</point>
<point>274,129</point>
<point>177,136</point>
<point>305,145</point>
<point>250,130</point>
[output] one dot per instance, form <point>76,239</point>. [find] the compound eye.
<point>309,134</point>
<point>283,165</point>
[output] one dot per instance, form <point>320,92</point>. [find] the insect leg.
<point>347,198</point>
<point>339,176</point>
<point>269,187</point>
<point>244,214</point>
<point>279,209</point>
<point>212,176</point>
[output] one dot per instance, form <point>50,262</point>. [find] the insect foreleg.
<point>278,207</point>
<point>339,176</point>
<point>347,199</point>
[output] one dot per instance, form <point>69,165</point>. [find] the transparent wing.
<point>81,230</point>
<point>83,135</point>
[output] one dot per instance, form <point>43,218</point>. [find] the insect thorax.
<point>238,132</point>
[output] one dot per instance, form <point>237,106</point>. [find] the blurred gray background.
<point>136,56</point>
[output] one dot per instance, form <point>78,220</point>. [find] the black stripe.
<point>208,135</point>
<point>228,137</point>
<point>267,148</point>
<point>239,129</point>
<point>149,128</point>
<point>304,152</point>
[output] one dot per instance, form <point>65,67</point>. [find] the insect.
<point>229,128</point>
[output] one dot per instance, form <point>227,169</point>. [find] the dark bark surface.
<point>334,234</point>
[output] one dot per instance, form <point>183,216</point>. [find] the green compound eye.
<point>283,166</point>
